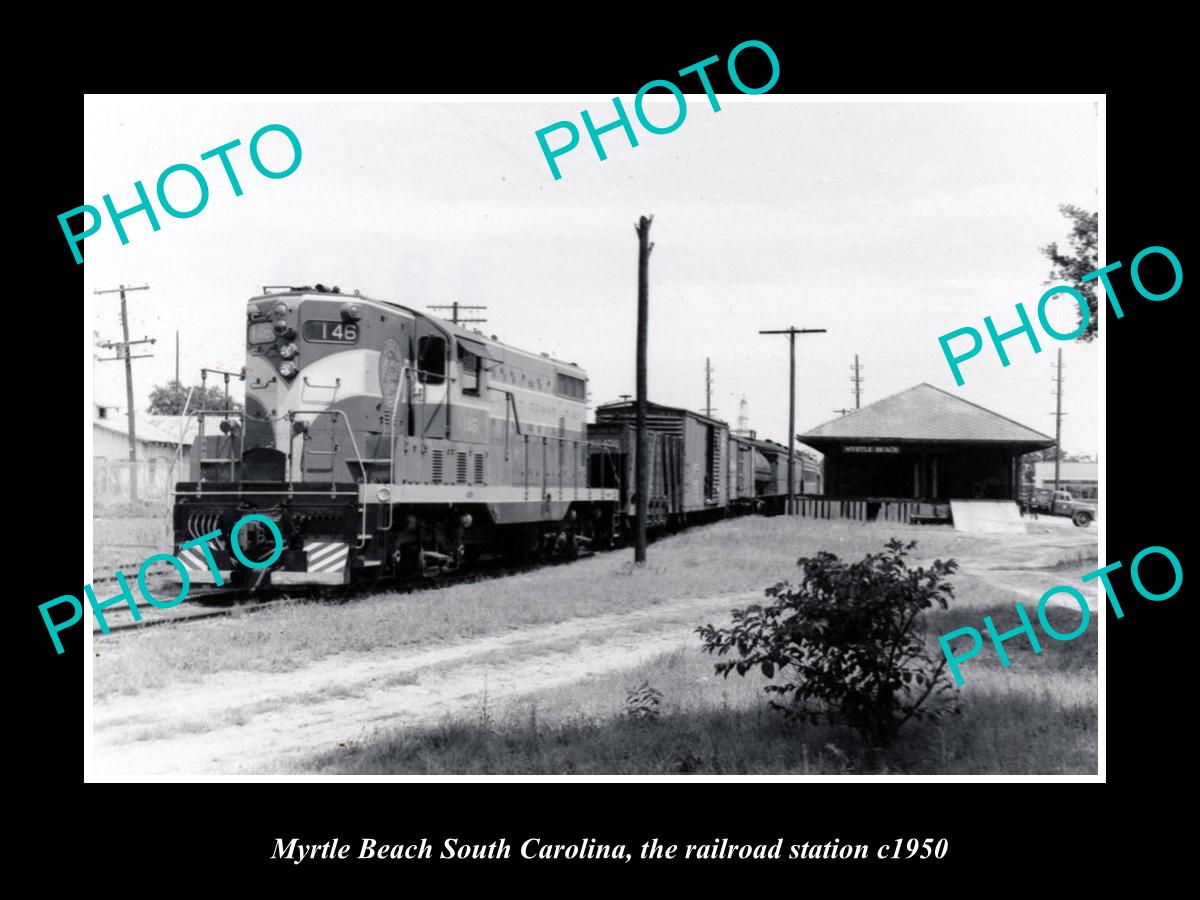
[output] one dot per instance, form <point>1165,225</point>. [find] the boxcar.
<point>688,469</point>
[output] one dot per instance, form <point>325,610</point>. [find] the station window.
<point>471,364</point>
<point>431,359</point>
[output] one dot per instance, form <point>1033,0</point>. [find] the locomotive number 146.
<point>322,331</point>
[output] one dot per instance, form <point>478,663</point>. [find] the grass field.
<point>1039,716</point>
<point>731,557</point>
<point>124,534</point>
<point>400,683</point>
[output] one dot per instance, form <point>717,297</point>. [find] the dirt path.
<point>244,723</point>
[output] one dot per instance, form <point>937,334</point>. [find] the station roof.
<point>926,414</point>
<point>152,429</point>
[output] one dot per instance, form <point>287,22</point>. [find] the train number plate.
<point>321,331</point>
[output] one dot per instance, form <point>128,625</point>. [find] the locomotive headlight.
<point>384,495</point>
<point>351,311</point>
<point>281,309</point>
<point>283,329</point>
<point>288,370</point>
<point>287,351</point>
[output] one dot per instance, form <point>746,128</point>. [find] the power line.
<point>641,460</point>
<point>455,307</point>
<point>123,353</point>
<point>791,333</point>
<point>1058,414</point>
<point>708,407</point>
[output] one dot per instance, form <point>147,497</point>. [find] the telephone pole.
<point>857,381</point>
<point>791,333</point>
<point>124,353</point>
<point>643,436</point>
<point>455,307</point>
<point>1058,414</point>
<point>708,387</point>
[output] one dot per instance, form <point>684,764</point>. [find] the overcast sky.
<point>888,224</point>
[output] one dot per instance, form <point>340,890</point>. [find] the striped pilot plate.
<point>326,556</point>
<point>193,559</point>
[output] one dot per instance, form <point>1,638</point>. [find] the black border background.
<point>214,833</point>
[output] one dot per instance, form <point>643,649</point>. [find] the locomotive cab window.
<point>431,359</point>
<point>471,365</point>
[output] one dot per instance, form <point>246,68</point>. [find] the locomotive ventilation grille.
<point>479,468</point>
<point>202,523</point>
<point>438,460</point>
<point>461,471</point>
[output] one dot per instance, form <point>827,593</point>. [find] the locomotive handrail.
<point>200,415</point>
<point>405,379</point>
<point>362,531</point>
<point>353,441</point>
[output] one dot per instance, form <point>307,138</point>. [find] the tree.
<point>850,639</point>
<point>1081,259</point>
<point>168,399</point>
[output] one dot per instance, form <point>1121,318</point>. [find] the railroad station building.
<point>924,444</point>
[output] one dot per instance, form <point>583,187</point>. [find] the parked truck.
<point>1059,503</point>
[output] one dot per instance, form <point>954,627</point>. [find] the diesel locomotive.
<point>380,441</point>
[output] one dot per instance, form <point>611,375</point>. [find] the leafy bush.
<point>642,702</point>
<point>850,640</point>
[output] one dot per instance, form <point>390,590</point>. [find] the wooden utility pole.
<point>643,436</point>
<point>857,381</point>
<point>455,307</point>
<point>791,333</point>
<point>708,386</point>
<point>1058,414</point>
<point>124,353</point>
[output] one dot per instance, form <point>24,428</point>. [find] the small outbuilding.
<point>923,444</point>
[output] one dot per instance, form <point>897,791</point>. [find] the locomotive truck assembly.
<point>383,441</point>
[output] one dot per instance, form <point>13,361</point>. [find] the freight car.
<point>771,473</point>
<point>381,440</point>
<point>687,473</point>
<point>699,470</point>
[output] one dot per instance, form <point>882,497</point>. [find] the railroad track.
<point>234,600</point>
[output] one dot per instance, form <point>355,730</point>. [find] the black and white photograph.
<point>530,437</point>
